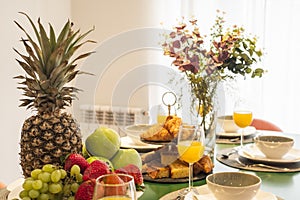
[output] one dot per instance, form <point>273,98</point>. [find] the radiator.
<point>113,116</point>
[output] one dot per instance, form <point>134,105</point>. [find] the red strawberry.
<point>78,159</point>
<point>132,170</point>
<point>114,190</point>
<point>95,169</point>
<point>85,190</point>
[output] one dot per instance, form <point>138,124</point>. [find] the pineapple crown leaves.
<point>49,67</point>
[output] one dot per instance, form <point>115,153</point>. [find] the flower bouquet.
<point>206,61</point>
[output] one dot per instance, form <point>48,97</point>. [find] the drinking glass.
<point>190,145</point>
<point>161,115</point>
<point>242,116</point>
<point>115,187</point>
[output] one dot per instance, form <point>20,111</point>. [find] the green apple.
<point>126,156</point>
<point>103,142</point>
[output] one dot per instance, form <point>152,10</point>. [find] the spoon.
<point>234,139</point>
<point>226,155</point>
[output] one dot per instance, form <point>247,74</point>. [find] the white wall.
<point>128,40</point>
<point>108,17</point>
<point>12,116</point>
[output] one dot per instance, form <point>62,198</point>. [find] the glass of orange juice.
<point>190,145</point>
<point>161,115</point>
<point>115,187</point>
<point>242,116</point>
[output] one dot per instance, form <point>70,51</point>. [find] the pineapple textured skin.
<point>48,139</point>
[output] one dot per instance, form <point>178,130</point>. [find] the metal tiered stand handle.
<point>169,104</point>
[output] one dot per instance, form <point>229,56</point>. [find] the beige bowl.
<point>233,185</point>
<point>134,131</point>
<point>227,124</point>
<point>274,146</point>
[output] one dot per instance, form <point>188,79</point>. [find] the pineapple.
<point>50,133</point>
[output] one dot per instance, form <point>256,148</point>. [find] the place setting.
<point>228,132</point>
<point>268,153</point>
<point>234,137</point>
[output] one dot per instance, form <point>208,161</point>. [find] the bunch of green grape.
<point>51,182</point>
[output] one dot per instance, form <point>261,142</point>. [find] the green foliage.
<point>49,67</point>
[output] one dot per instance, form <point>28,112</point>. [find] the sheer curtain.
<point>274,97</point>
<point>277,94</point>
<point>281,87</point>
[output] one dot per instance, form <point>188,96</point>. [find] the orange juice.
<point>161,119</point>
<point>242,118</point>
<point>190,151</point>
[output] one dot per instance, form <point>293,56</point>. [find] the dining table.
<point>283,184</point>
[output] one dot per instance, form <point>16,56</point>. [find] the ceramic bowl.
<point>134,131</point>
<point>272,146</point>
<point>233,185</point>
<point>227,124</point>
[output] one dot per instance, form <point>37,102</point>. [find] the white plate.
<point>129,142</point>
<point>16,187</point>
<point>251,152</point>
<point>247,132</point>
<point>206,194</point>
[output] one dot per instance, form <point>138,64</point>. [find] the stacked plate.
<point>132,138</point>
<point>251,152</point>
<point>234,137</point>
